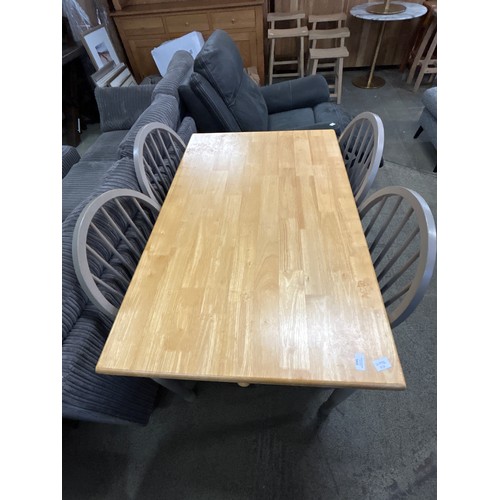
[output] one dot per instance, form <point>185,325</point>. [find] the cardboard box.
<point>192,42</point>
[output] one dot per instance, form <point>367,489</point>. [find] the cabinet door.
<point>140,56</point>
<point>247,45</point>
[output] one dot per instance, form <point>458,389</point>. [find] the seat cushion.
<point>80,181</point>
<point>163,109</point>
<point>220,63</point>
<point>328,112</point>
<point>105,147</point>
<point>429,98</point>
<point>119,107</point>
<point>293,119</point>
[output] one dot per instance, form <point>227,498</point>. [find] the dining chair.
<point>362,146</point>
<point>157,153</point>
<point>401,235</point>
<point>108,240</point>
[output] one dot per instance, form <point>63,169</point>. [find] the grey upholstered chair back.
<point>362,146</point>
<point>109,237</point>
<point>157,153</point>
<point>401,236</point>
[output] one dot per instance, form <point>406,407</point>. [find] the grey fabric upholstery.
<point>328,112</point>
<point>229,101</point>
<point>70,156</point>
<point>216,110</point>
<point>178,72</point>
<point>428,118</point>
<point>300,93</point>
<point>281,121</point>
<point>105,148</point>
<point>186,129</point>
<point>119,107</point>
<point>163,109</point>
<point>220,63</point>
<point>83,178</point>
<point>85,394</point>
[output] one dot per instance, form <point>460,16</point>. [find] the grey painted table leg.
<point>335,398</point>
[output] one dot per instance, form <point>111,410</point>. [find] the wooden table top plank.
<point>257,271</point>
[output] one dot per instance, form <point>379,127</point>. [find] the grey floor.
<point>265,442</point>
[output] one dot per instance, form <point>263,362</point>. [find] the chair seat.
<point>328,53</point>
<point>287,32</point>
<point>328,34</point>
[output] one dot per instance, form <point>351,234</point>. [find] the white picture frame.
<point>99,46</point>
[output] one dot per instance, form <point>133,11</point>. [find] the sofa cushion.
<point>70,156</point>
<point>186,129</point>
<point>105,147</point>
<point>120,175</point>
<point>299,93</point>
<point>208,108</point>
<point>119,107</point>
<point>293,119</point>
<point>178,72</point>
<point>163,109</point>
<point>328,112</point>
<point>82,179</point>
<point>220,63</point>
<point>429,98</point>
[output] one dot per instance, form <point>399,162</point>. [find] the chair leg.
<point>420,52</point>
<point>335,398</point>
<point>425,63</point>
<point>271,61</point>
<point>418,132</point>
<point>301,57</point>
<point>338,80</point>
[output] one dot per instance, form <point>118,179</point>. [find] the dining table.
<point>257,271</point>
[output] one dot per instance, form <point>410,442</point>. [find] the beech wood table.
<point>257,271</point>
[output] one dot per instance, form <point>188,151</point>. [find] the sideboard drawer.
<point>187,22</point>
<point>233,19</point>
<point>141,26</point>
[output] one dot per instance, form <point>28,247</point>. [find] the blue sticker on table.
<point>382,364</point>
<point>359,359</point>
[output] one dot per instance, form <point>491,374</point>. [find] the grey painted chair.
<point>362,146</point>
<point>157,153</point>
<point>401,235</point>
<point>108,240</point>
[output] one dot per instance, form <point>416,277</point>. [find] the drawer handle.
<point>233,20</point>
<point>187,23</point>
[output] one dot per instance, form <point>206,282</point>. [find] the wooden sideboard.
<point>144,26</point>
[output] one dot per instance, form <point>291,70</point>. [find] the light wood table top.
<point>257,271</point>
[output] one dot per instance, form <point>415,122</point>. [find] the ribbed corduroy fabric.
<point>70,156</point>
<point>85,394</point>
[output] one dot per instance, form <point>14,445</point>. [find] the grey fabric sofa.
<point>108,164</point>
<point>428,119</point>
<point>221,97</point>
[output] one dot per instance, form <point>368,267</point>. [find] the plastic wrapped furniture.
<point>221,97</point>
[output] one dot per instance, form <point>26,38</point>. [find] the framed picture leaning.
<point>99,46</point>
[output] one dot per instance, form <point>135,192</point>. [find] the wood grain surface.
<point>257,271</point>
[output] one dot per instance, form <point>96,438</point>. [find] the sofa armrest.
<point>304,92</point>
<point>119,107</point>
<point>70,156</point>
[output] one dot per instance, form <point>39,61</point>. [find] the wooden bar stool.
<point>274,33</point>
<point>425,61</point>
<point>330,59</point>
